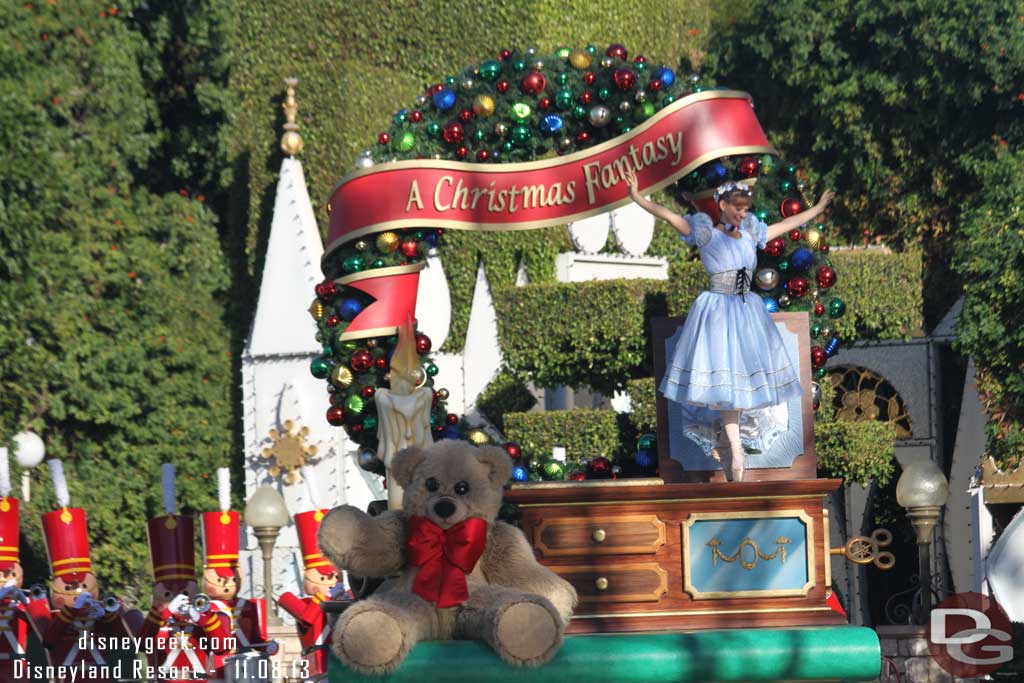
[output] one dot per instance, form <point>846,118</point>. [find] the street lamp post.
<point>266,514</point>
<point>922,490</point>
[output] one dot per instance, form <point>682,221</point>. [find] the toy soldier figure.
<point>222,578</point>
<point>21,614</point>
<point>321,581</point>
<point>78,614</point>
<point>185,629</point>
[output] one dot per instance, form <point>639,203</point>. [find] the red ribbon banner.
<point>468,196</point>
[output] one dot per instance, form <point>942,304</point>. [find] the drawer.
<point>637,534</point>
<point>598,583</point>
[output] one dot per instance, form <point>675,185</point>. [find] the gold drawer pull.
<point>599,535</point>
<point>601,583</point>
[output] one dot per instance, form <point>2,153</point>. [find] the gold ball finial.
<point>291,141</point>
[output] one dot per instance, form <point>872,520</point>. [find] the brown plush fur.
<point>517,606</point>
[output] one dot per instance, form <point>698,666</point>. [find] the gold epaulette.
<point>212,625</point>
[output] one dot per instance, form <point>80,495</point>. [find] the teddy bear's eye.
<point>432,484</point>
<point>462,488</point>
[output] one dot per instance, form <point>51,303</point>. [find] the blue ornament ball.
<point>451,432</point>
<point>519,473</point>
<point>349,309</point>
<point>444,99</point>
<point>771,305</point>
<point>431,239</point>
<point>801,259</point>
<point>666,76</point>
<point>716,172</point>
<point>551,124</point>
<point>832,347</point>
<point>643,459</point>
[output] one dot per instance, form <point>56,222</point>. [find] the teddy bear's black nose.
<point>444,508</point>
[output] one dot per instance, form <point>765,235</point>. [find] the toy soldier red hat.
<point>308,524</point>
<point>221,530</point>
<point>65,532</point>
<point>172,548</point>
<point>8,517</point>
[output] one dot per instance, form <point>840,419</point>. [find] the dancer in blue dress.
<point>729,356</point>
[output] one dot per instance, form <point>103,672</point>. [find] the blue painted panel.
<point>714,542</point>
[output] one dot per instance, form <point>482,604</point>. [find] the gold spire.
<point>291,141</point>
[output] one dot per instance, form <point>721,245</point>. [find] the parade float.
<point>680,575</point>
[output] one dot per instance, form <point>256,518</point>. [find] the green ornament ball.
<point>519,65</point>
<point>378,263</point>
<point>352,264</point>
<point>521,110</point>
<point>815,329</point>
<point>762,215</point>
<point>603,94</point>
<point>370,422</point>
<point>552,470</point>
<point>407,142</point>
<point>479,135</point>
<point>435,419</point>
<point>508,146</point>
<point>562,78</point>
<point>784,264</point>
<point>563,99</point>
<point>579,111</point>
<point>490,70</point>
<point>320,368</point>
<point>626,129</point>
<point>785,185</point>
<point>432,370</point>
<point>450,81</point>
<point>820,373</point>
<point>562,53</point>
<point>521,134</point>
<point>433,128</point>
<point>399,117</point>
<point>668,99</point>
<point>836,307</point>
<point>645,111</point>
<point>646,441</point>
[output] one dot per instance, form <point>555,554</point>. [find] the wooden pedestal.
<point>651,556</point>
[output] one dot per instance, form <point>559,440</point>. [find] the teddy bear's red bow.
<point>444,558</point>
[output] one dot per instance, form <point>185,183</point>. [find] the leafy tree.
<point>112,344</point>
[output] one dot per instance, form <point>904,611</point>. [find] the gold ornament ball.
<point>478,437</point>
<point>813,236</point>
<point>500,129</point>
<point>442,394</point>
<point>580,59</point>
<point>371,343</point>
<point>826,332</point>
<point>387,242</point>
<point>538,65</point>
<point>316,309</point>
<point>341,376</point>
<point>606,62</point>
<point>483,105</point>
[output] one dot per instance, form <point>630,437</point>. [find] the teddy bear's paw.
<point>371,642</point>
<point>528,634</point>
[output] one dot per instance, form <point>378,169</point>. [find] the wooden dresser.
<point>653,556</point>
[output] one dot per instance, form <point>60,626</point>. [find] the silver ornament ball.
<point>421,100</point>
<point>640,96</point>
<point>625,106</point>
<point>599,116</point>
<point>364,162</point>
<point>815,392</point>
<point>468,83</point>
<point>767,279</point>
<point>565,143</point>
<point>368,460</point>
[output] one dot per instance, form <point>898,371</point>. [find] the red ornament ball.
<point>416,116</point>
<point>819,308</point>
<point>624,79</point>
<point>367,392</point>
<point>454,133</point>
<point>791,207</point>
<point>533,83</point>
<point>616,51</point>
<point>383,138</point>
<point>513,450</point>
<point>333,320</point>
<point>355,429</point>
<point>380,363</point>
<point>826,277</point>
<point>336,416</point>
<point>462,152</point>
<point>824,249</point>
<point>640,59</point>
<point>452,419</point>
<point>437,87</point>
<point>582,137</point>
<point>577,475</point>
<point>423,343</point>
<point>361,360</point>
<point>504,54</point>
<point>326,289</point>
<point>655,84</point>
<point>502,86</point>
<point>586,97</point>
<point>589,78</point>
<point>601,465</point>
<point>798,286</point>
<point>410,248</point>
<point>775,247</point>
<point>483,155</point>
<point>466,115</point>
<point>749,167</point>
<point>818,357</point>
<point>544,103</point>
<point>795,235</point>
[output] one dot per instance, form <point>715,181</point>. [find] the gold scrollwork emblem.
<point>780,551</point>
<point>867,550</point>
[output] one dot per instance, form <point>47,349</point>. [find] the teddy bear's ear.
<point>405,463</point>
<point>498,461</point>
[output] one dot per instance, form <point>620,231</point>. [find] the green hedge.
<point>583,432</point>
<point>884,293</point>
<point>581,333</point>
<point>643,414</point>
<point>505,394</point>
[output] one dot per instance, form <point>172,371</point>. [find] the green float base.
<point>841,653</point>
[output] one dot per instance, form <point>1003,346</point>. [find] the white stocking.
<point>731,432</point>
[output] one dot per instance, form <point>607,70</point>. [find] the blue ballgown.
<point>730,355</point>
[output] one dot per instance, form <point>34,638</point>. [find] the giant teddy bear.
<point>455,572</point>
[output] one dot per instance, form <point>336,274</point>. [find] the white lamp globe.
<point>29,449</point>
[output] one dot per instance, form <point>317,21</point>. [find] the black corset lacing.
<point>742,282</point>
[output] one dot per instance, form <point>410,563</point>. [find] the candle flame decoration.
<point>406,372</point>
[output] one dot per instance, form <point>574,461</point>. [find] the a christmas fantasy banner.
<point>518,196</point>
